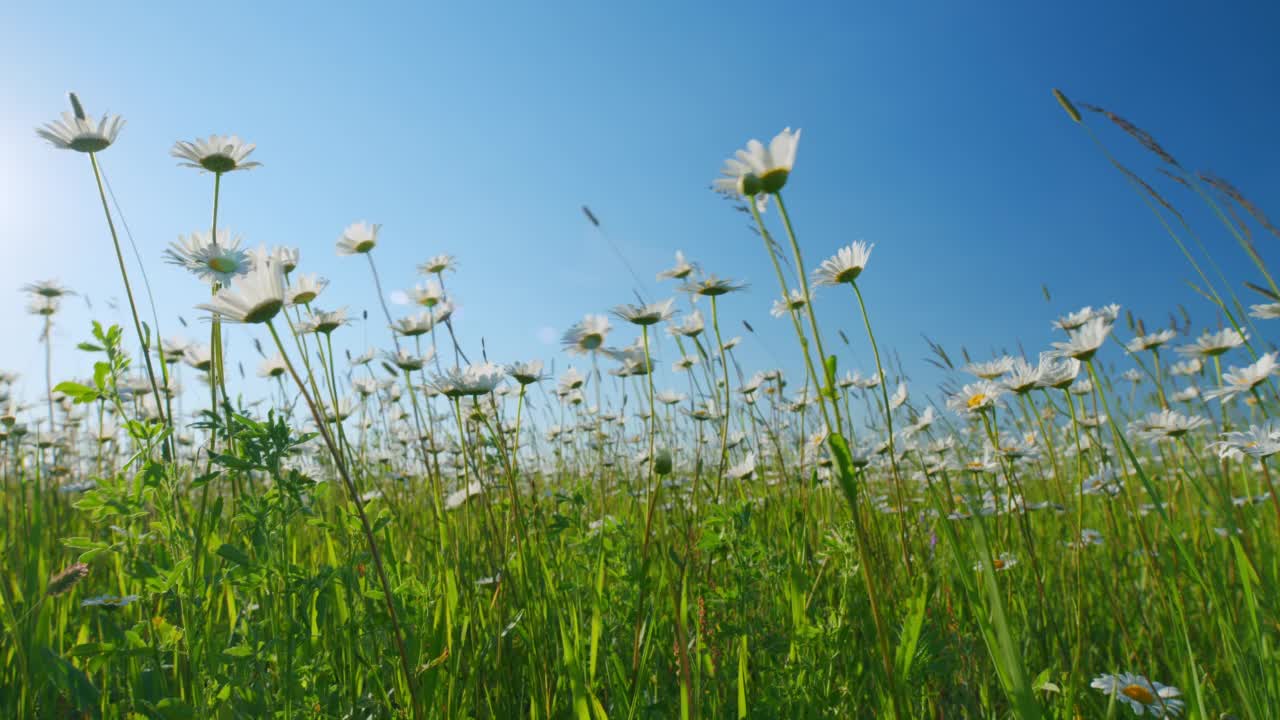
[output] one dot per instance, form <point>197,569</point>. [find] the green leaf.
<point>230,552</point>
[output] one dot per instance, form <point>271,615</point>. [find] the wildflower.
<point>473,380</point>
<point>792,303</point>
<point>571,380</point>
<point>743,470</point>
<point>692,326</point>
<point>1187,368</point>
<point>407,361</point>
<point>41,305</point>
<point>1240,380</point>
<point>1021,377</point>
<point>586,336</point>
<point>306,288</point>
<point>1131,375</point>
<point>198,356</point>
<point>899,397</point>
<point>1142,696</point>
<point>1150,341</point>
<point>428,295</point>
<point>1085,340</point>
<point>1214,344</point>
<point>1002,562</point>
<point>217,154</point>
<point>976,397</point>
<point>287,257</point>
<point>712,286</point>
<point>47,288</point>
<point>681,270</point>
<point>323,322</point>
<point>254,298</point>
<point>273,366</point>
<point>1165,424</point>
<point>1259,441</point>
<point>358,238</point>
<point>1186,394</point>
<point>650,314</point>
<point>845,266</point>
<point>211,260</point>
<point>990,370</point>
<point>759,169</point>
<point>438,265</point>
<point>75,131</point>
<point>415,325</point>
<point>1268,311</point>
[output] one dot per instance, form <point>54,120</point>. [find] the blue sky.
<point>480,129</point>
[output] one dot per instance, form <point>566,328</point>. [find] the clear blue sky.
<point>478,129</point>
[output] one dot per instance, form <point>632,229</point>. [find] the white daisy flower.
<point>1267,311</point>
<point>681,270</point>
<point>358,238</point>
<point>990,370</point>
<point>255,297</point>
<point>1213,344</point>
<point>976,397</point>
<point>214,262</point>
<point>305,289</point>
<point>216,154</point>
<point>650,314</point>
<point>845,266</point>
<point>1150,341</point>
<point>795,301</point>
<point>1242,380</point>
<point>1085,340</point>
<point>587,335</point>
<point>75,131</point>
<point>1142,696</point>
<point>757,168</point>
<point>438,265</point>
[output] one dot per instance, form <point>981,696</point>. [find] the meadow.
<point>1086,530</point>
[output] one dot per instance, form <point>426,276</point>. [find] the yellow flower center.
<point>1139,693</point>
<point>977,400</point>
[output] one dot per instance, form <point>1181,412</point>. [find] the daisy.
<point>976,397</point>
<point>255,297</point>
<point>75,131</point>
<point>41,305</point>
<point>586,336</point>
<point>1150,341</point>
<point>712,286</point>
<point>526,373</point>
<point>273,366</point>
<point>1187,368</point>
<point>320,321</point>
<point>792,303</point>
<point>306,288</point>
<point>991,369</point>
<point>681,270</point>
<point>670,397</point>
<point>1002,562</point>
<point>1240,380</point>
<point>650,314</point>
<point>473,380</point>
<point>1142,696</point>
<point>217,154</point>
<point>899,397</point>
<point>214,262</point>
<point>358,238</point>
<point>1259,441</point>
<point>198,356</point>
<point>288,258</point>
<point>1022,377</point>
<point>407,361</point>
<point>1267,311</point>
<point>47,288</point>
<point>1072,321</point>
<point>1165,424</point>
<point>845,266</point>
<point>428,295</point>
<point>692,326</point>
<point>1085,340</point>
<point>438,265</point>
<point>415,325</point>
<point>1214,344</point>
<point>570,380</point>
<point>759,169</point>
<point>1186,395</point>
<point>743,470</point>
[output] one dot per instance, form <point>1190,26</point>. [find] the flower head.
<point>650,314</point>
<point>587,335</point>
<point>757,168</point>
<point>1213,344</point>
<point>681,270</point>
<point>255,297</point>
<point>221,261</point>
<point>1142,696</point>
<point>75,131</point>
<point>358,238</point>
<point>1086,339</point>
<point>438,265</point>
<point>216,154</point>
<point>845,266</point>
<point>1241,380</point>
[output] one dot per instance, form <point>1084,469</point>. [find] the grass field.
<point>1088,532</point>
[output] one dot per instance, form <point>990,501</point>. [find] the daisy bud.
<point>662,462</point>
<point>76,107</point>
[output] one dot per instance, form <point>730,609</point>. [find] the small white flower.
<point>1142,696</point>
<point>75,131</point>
<point>358,238</point>
<point>255,297</point>
<point>216,154</point>
<point>845,266</point>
